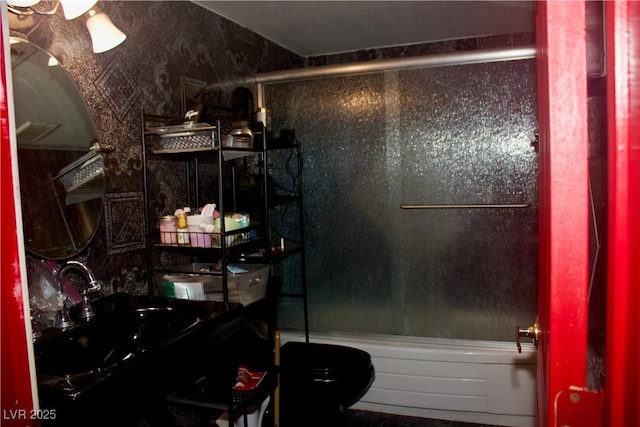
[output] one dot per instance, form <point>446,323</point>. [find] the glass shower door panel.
<point>470,272</point>
<point>451,135</point>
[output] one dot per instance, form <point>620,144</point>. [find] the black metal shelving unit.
<point>187,145</point>
<point>255,244</point>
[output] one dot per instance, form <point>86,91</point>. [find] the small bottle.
<point>182,228</point>
<point>168,229</point>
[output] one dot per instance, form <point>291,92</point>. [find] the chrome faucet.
<point>86,312</point>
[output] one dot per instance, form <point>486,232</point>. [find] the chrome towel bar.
<point>468,206</point>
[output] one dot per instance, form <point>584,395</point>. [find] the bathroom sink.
<point>79,359</point>
<point>110,339</point>
<point>131,355</point>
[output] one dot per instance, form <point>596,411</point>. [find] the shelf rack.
<point>254,244</point>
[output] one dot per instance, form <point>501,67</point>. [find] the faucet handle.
<point>63,320</point>
<point>94,287</point>
<point>86,311</point>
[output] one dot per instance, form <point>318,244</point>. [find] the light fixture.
<point>24,3</point>
<point>104,35</point>
<point>74,8</point>
<point>29,7</point>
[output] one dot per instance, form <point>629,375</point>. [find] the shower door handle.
<point>532,332</point>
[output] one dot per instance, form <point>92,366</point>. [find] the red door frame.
<point>622,378</point>
<point>563,305</point>
<point>17,395</point>
<point>564,201</point>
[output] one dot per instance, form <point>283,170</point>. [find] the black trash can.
<point>318,382</point>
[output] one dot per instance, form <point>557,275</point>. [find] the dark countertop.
<point>141,377</point>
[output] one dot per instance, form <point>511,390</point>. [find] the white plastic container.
<point>244,288</point>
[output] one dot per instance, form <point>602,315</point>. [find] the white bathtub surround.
<point>485,382</point>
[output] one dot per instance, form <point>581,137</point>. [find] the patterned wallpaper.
<point>172,50</point>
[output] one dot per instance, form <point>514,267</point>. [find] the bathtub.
<point>482,382</point>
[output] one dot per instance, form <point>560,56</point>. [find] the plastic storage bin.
<point>245,287</point>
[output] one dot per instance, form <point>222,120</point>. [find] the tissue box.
<point>245,287</point>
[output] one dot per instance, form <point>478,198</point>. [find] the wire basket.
<point>239,138</point>
<point>183,138</point>
<point>82,171</point>
<point>247,397</point>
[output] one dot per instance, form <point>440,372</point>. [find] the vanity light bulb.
<point>74,8</point>
<point>104,34</point>
<point>23,3</point>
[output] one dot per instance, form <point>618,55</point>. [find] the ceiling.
<point>310,28</point>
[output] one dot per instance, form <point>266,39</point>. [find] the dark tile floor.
<point>357,418</point>
<point>353,418</point>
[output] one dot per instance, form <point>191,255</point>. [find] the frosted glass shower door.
<point>450,135</point>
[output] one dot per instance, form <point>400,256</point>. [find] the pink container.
<point>168,230</point>
<point>198,237</point>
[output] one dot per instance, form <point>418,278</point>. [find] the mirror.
<point>62,181</point>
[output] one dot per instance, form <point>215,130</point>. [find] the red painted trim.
<point>579,407</point>
<point>16,397</point>
<point>622,376</point>
<point>564,214</point>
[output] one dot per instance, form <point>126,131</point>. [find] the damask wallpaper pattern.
<point>173,50</point>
